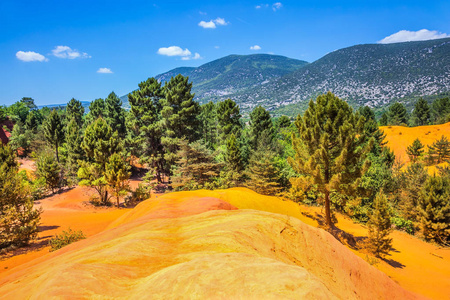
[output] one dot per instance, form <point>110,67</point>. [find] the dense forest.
<point>331,155</point>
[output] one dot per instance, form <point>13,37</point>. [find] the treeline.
<point>331,155</point>
<point>422,114</point>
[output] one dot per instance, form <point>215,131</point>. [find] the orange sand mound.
<point>399,137</point>
<point>181,246</point>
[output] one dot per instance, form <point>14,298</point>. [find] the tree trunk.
<point>117,201</point>
<point>57,157</point>
<point>327,209</point>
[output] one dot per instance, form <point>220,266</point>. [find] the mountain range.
<point>370,74</point>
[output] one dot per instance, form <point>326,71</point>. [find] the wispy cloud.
<point>29,56</point>
<point>212,23</point>
<point>104,71</point>
<point>408,36</point>
<point>202,13</point>
<point>68,53</point>
<point>255,47</point>
<point>178,51</point>
<point>276,6</point>
<point>196,56</point>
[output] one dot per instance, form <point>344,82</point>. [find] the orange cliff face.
<point>197,244</point>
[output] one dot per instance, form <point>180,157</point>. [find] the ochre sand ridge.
<point>181,245</point>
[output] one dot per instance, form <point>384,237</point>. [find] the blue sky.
<point>55,50</point>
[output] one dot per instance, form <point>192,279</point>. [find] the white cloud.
<point>256,47</point>
<point>216,47</point>
<point>202,13</point>
<point>212,23</point>
<point>276,6</point>
<point>173,51</point>
<point>408,36</point>
<point>220,21</point>
<point>30,56</point>
<point>69,53</point>
<point>209,24</point>
<point>104,71</point>
<point>261,6</point>
<point>196,56</point>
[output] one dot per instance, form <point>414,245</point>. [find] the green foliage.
<point>233,156</point>
<point>65,238</point>
<point>117,175</point>
<point>421,114</point>
<point>54,131</point>
<point>331,147</point>
<point>415,177</point>
<point>229,119</point>
<point>283,122</point>
<point>434,209</point>
<point>92,175</point>
<point>403,224</point>
<point>29,102</point>
<point>48,168</point>
<point>439,151</point>
<point>18,218</point>
<point>397,114</point>
<point>96,110</point>
<point>3,113</point>
<point>74,150</point>
<point>209,125</point>
<point>379,225</point>
<point>304,190</point>
<point>115,114</point>
<point>34,120</point>
<point>179,117</point>
<point>260,125</point>
<point>195,168</point>
<point>263,175</point>
<point>18,111</point>
<point>384,119</point>
<point>21,139</point>
<point>141,193</point>
<point>415,150</point>
<point>440,110</point>
<point>75,111</point>
<point>144,129</point>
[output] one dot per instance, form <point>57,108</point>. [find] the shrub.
<point>65,238</point>
<point>403,224</point>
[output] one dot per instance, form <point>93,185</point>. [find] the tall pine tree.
<point>421,114</point>
<point>53,131</point>
<point>229,119</point>
<point>179,117</point>
<point>397,114</point>
<point>260,125</point>
<point>379,226</point>
<point>115,114</point>
<point>331,148</point>
<point>415,150</point>
<point>144,126</point>
<point>75,110</point>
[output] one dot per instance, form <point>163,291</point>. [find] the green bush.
<point>65,238</point>
<point>403,224</point>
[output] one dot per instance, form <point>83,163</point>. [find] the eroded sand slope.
<point>186,245</point>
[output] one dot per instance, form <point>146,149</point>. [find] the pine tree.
<point>415,177</point>
<point>73,145</point>
<point>384,119</point>
<point>262,173</point>
<point>144,129</point>
<point>421,113</point>
<point>260,124</point>
<point>53,131</point>
<point>179,117</point>
<point>33,121</point>
<point>48,168</point>
<point>229,119</point>
<point>75,110</point>
<point>283,122</point>
<point>208,118</point>
<point>18,219</point>
<point>96,110</point>
<point>331,148</point>
<point>434,209</point>
<point>29,102</point>
<point>115,114</point>
<point>415,150</point>
<point>371,130</point>
<point>439,151</point>
<point>99,144</point>
<point>233,156</point>
<point>117,175</point>
<point>195,167</point>
<point>379,226</point>
<point>397,114</point>
<point>440,110</point>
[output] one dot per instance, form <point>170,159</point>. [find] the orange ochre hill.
<point>198,245</point>
<point>398,138</point>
